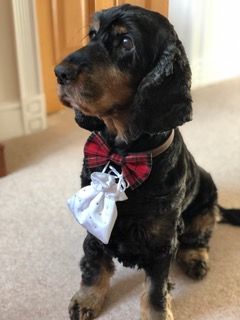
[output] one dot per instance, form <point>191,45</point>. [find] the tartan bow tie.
<point>136,167</point>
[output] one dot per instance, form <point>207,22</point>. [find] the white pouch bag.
<point>94,206</point>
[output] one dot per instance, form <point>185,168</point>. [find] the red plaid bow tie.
<point>136,167</point>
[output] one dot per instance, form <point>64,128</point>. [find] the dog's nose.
<point>65,73</point>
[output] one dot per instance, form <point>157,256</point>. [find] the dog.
<point>131,86</point>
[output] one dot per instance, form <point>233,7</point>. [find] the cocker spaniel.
<point>130,85</point>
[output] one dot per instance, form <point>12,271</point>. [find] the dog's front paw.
<point>197,269</point>
<point>195,262</point>
<point>78,313</point>
<point>85,305</point>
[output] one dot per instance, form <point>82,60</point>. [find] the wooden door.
<point>155,5</point>
<point>63,27</point>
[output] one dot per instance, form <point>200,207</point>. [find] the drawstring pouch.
<point>94,206</point>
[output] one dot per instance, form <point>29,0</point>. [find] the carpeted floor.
<point>40,242</point>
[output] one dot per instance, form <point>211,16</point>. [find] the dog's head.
<point>133,76</point>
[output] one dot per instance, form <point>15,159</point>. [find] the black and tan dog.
<point>131,83</point>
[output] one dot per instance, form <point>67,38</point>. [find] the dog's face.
<point>133,75</point>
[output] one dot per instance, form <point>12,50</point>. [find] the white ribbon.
<point>94,206</point>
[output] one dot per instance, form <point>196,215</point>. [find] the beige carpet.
<point>40,242</point>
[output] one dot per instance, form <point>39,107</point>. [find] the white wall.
<point>9,90</point>
<point>22,103</point>
<point>210,32</point>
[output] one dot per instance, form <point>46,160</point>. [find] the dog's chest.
<point>137,240</point>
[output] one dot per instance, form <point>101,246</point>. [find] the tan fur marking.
<point>189,255</point>
<point>148,312</point>
<point>116,90</point>
<point>110,124</point>
<point>111,91</point>
<point>203,223</point>
<point>195,262</point>
<point>117,123</point>
<point>160,226</point>
<point>120,29</point>
<point>112,85</point>
<point>92,297</point>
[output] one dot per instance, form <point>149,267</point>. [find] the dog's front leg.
<point>155,300</point>
<point>97,269</point>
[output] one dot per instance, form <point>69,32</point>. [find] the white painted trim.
<point>32,98</point>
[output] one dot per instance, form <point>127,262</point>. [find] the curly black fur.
<point>150,224</point>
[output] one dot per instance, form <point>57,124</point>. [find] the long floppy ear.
<point>163,99</point>
<point>88,123</point>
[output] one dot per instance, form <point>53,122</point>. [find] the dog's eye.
<point>127,43</point>
<point>92,34</point>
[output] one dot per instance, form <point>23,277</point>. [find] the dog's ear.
<point>163,99</point>
<point>88,123</point>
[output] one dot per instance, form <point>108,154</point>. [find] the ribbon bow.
<point>136,167</point>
